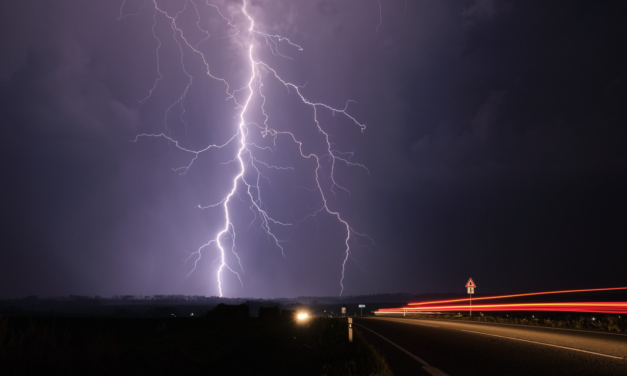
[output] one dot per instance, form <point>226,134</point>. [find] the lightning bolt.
<point>381,16</point>
<point>246,182</point>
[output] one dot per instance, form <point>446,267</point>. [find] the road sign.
<point>361,309</point>
<point>470,287</point>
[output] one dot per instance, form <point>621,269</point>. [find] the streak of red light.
<point>588,307</point>
<point>517,295</point>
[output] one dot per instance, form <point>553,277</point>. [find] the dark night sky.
<point>495,142</point>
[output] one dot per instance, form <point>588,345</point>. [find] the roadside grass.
<point>183,346</point>
<point>603,323</point>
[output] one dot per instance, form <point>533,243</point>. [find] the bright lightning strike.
<point>381,16</point>
<point>245,184</point>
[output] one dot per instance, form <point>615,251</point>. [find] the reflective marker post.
<point>350,329</point>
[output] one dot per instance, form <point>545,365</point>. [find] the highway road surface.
<point>459,348</point>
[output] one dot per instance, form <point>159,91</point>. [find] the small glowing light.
<point>593,319</point>
<point>302,316</point>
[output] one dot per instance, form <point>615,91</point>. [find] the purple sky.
<point>494,139</point>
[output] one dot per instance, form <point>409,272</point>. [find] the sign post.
<point>361,309</point>
<point>470,288</point>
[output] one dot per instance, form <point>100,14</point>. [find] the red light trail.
<point>583,307</point>
<point>518,295</point>
<point>587,307</point>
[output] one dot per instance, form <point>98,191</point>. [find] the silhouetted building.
<point>269,313</point>
<point>288,314</point>
<point>229,314</point>
<point>162,312</point>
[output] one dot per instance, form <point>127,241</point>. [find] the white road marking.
<point>545,344</point>
<point>431,370</point>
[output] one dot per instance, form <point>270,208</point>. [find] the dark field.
<point>182,346</point>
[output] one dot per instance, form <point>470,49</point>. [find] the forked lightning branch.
<point>250,139</point>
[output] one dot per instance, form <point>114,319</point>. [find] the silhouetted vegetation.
<point>183,346</point>
<point>184,305</point>
<point>605,323</point>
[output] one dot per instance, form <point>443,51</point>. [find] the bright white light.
<point>302,316</point>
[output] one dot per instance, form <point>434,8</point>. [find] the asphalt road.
<point>456,348</point>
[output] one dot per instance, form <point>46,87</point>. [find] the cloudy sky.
<point>494,144</point>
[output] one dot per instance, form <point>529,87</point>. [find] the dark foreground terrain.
<point>159,346</point>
